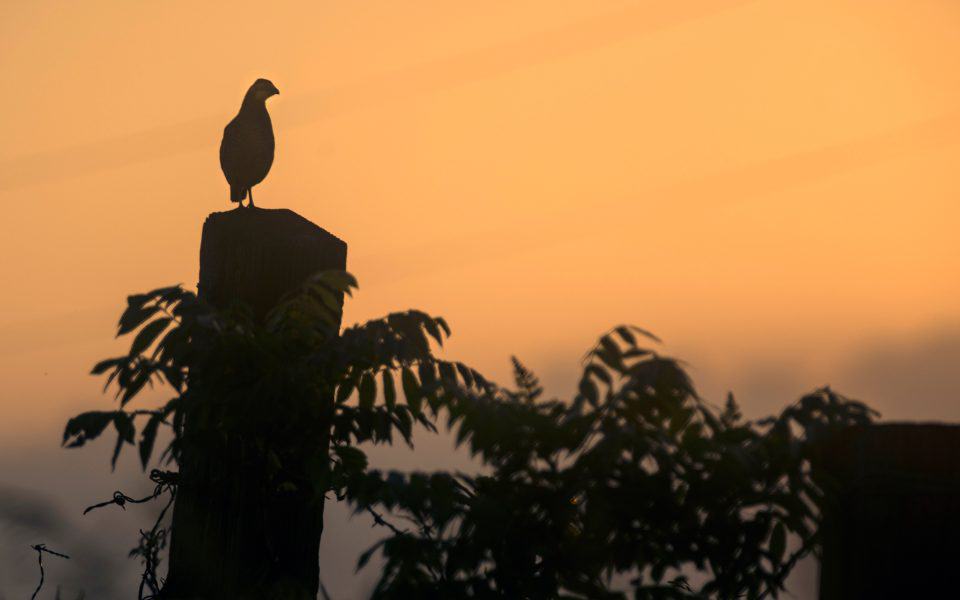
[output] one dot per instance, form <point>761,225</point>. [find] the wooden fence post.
<point>892,525</point>
<point>218,547</point>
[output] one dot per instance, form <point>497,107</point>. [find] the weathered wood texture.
<point>229,536</point>
<point>893,530</point>
<point>258,255</point>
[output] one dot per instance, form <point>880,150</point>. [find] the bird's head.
<point>262,89</point>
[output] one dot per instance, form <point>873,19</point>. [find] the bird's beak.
<point>276,91</point>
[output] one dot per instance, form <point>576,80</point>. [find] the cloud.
<point>914,378</point>
<point>23,509</point>
<point>96,544</point>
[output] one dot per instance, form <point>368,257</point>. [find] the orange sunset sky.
<point>769,185</point>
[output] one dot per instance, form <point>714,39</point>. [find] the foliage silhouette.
<point>636,478</point>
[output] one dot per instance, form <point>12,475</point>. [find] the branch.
<point>379,520</point>
<point>377,517</point>
<point>163,479</point>
<point>41,548</point>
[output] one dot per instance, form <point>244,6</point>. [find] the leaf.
<point>646,334</point>
<point>598,372</point>
<point>447,372</point>
<point>365,557</point>
<point>123,422</point>
<point>588,389</point>
<point>433,329</point>
<point>610,346</point>
<point>353,459</point>
<point>125,433</point>
<point>368,391</point>
<point>168,294</point>
<point>657,571</point>
<point>443,325</point>
<point>408,325</point>
<point>389,391</point>
<point>174,376</point>
<point>344,390</point>
<point>778,543</point>
<point>627,335</point>
<point>404,423</point>
<point>463,432</point>
<point>85,427</point>
<point>427,372</point>
<point>133,386</point>
<point>610,354</point>
<point>147,335</point>
<point>465,374</point>
<point>336,280</point>
<point>173,346</point>
<point>147,438</point>
<point>411,389</point>
<point>102,366</point>
<point>135,315</point>
<point>116,453</point>
<point>328,299</point>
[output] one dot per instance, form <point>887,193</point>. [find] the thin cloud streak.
<point>754,179</point>
<point>170,140</point>
<point>786,172</point>
<point>749,181</point>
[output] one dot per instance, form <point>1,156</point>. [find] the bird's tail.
<point>237,194</point>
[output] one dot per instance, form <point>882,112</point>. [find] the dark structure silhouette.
<point>246,152</point>
<point>892,519</point>
<point>217,549</point>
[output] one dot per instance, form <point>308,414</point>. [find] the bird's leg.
<point>250,204</point>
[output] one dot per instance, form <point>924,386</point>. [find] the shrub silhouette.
<point>634,482</point>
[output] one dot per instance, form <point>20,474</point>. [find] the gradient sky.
<point>771,186</point>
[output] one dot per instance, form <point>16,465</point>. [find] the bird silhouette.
<point>246,152</point>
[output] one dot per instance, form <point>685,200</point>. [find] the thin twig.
<point>377,517</point>
<point>149,577</point>
<point>166,482</point>
<point>120,499</point>
<point>41,548</point>
<point>163,479</point>
<point>379,520</point>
